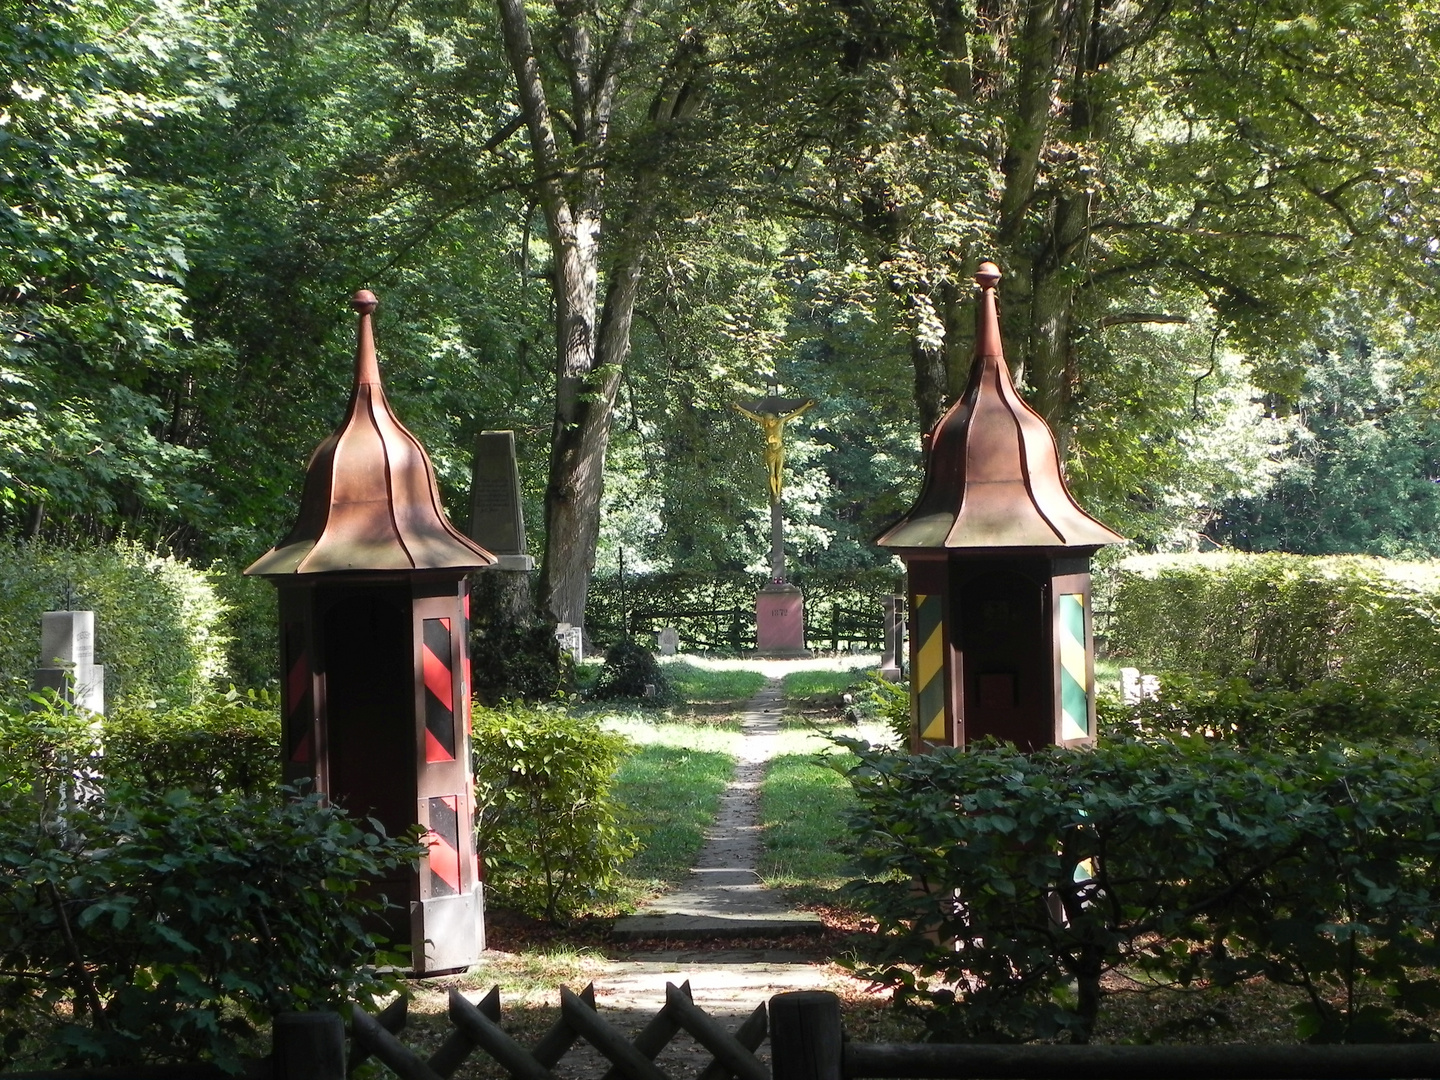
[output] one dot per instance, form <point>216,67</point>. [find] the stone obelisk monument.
<point>779,606</point>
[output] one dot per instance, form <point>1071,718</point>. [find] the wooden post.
<point>805,1036</point>
<point>308,1046</point>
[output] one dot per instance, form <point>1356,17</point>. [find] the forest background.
<point>601,223</point>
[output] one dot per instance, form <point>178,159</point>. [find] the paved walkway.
<point>724,897</point>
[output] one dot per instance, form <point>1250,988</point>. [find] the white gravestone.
<point>669,641</point>
<point>67,659</point>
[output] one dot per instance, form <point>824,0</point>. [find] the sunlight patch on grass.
<point>804,808</point>
<point>671,788</point>
<point>819,684</point>
<point>709,686</point>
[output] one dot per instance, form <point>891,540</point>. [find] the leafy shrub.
<point>522,662</point>
<point>1000,880</point>
<point>146,926</point>
<point>889,702</point>
<point>632,671</point>
<point>159,624</point>
<point>227,742</point>
<point>1283,619</point>
<point>252,629</point>
<point>1325,712</point>
<point>546,822</point>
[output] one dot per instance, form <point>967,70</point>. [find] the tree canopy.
<point>600,222</point>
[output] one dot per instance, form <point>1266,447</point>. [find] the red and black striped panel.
<point>439,660</point>
<point>444,842</point>
<point>465,645</point>
<point>299,697</point>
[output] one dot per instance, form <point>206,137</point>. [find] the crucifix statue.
<point>779,608</point>
<point>767,413</point>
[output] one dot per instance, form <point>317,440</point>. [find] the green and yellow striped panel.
<point>1074,671</point>
<point>929,674</point>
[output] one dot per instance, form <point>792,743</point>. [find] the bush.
<point>252,629</point>
<point>1006,885</point>
<point>1324,713</point>
<point>226,743</point>
<point>143,926</point>
<point>1282,619</point>
<point>889,702</point>
<point>522,662</point>
<point>159,623</point>
<point>547,824</point>
<point>631,671</point>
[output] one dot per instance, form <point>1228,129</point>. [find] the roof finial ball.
<point>364,302</point>
<point>988,276</point>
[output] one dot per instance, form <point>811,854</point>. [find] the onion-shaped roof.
<point>370,502</point>
<point>992,471</point>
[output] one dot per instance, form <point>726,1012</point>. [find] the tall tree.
<point>600,198</point>
<point>1147,161</point>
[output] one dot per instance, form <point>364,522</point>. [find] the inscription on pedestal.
<point>780,620</point>
<point>497,520</point>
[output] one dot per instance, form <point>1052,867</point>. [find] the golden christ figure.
<point>772,421</point>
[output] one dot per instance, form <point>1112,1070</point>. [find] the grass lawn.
<point>671,786</point>
<point>704,686</point>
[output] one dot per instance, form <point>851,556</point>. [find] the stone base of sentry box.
<point>780,622</point>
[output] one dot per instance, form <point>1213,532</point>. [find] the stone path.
<point>724,897</point>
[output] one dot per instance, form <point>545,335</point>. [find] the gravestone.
<point>1135,687</point>
<point>669,641</point>
<point>892,655</point>
<point>497,517</point>
<point>780,621</point>
<point>67,660</point>
<point>572,641</point>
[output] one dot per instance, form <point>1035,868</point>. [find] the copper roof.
<point>370,501</point>
<point>992,472</point>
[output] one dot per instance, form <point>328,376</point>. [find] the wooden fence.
<point>807,1042</point>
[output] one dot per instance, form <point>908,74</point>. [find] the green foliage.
<point>1325,712</point>
<point>714,610</point>
<point>228,743</point>
<point>140,925</point>
<point>1359,473</point>
<point>696,685</point>
<point>1286,619</point>
<point>548,826</point>
<point>632,671</point>
<point>999,879</point>
<point>159,624</point>
<point>251,628</point>
<point>518,662</point>
<point>890,703</point>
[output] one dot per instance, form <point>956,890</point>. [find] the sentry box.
<point>997,556</point>
<point>375,679</point>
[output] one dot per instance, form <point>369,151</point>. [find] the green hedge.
<point>716,612</point>
<point>1007,886</point>
<point>546,819</point>
<point>1282,619</point>
<point>160,626</point>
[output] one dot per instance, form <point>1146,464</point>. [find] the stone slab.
<point>497,519</point>
<point>780,621</point>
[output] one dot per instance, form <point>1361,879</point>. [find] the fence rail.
<point>807,1042</point>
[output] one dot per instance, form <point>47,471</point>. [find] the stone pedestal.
<point>780,621</point>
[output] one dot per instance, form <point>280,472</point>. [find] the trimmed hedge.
<point>160,627</point>
<point>1281,619</point>
<point>1006,886</point>
<point>715,612</point>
